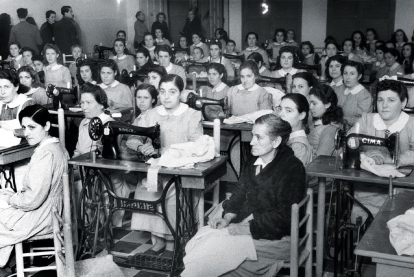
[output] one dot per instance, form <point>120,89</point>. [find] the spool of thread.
<point>194,81</point>
<point>228,195</point>
<point>68,85</point>
<point>135,68</point>
<point>216,134</point>
<point>201,92</point>
<point>93,156</point>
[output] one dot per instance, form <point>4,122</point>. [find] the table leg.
<point>9,180</point>
<point>200,209</point>
<point>320,226</point>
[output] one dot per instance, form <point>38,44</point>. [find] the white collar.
<point>46,142</point>
<point>199,44</point>
<point>308,56</point>
<point>114,84</point>
<point>318,122</point>
<point>252,48</point>
<point>31,91</point>
<point>259,161</point>
<point>355,90</point>
<point>339,83</point>
<point>350,56</point>
<point>284,73</point>
<point>380,64</point>
<point>254,87</point>
<point>262,69</point>
<point>54,67</point>
<point>397,126</point>
<point>20,100</point>
<point>168,68</point>
<point>151,48</point>
<point>18,58</point>
<point>220,87</point>
<point>394,66</point>
<point>103,116</point>
<point>299,133</point>
<point>121,58</point>
<point>279,43</point>
<point>399,43</point>
<point>181,109</point>
<point>159,40</point>
<point>290,41</point>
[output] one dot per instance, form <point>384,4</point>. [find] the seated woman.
<point>38,63</point>
<point>360,45</point>
<point>279,40</point>
<point>285,65</point>
<point>77,52</point>
<point>55,73</point>
<point>372,38</point>
<point>399,38</point>
<point>251,39</point>
<point>198,43</point>
<point>294,108</point>
<point>216,57</point>
<point>217,77</point>
<point>122,59</point>
<point>143,59</point>
<point>155,73</point>
<point>256,219</point>
<point>258,59</point>
<point>221,35</point>
<point>393,68</point>
<point>119,95</point>
<point>248,97</point>
<point>27,54</point>
<point>407,58</point>
<point>331,49</point>
<point>15,58</point>
<point>380,65</point>
<point>150,44</point>
<point>182,43</point>
<point>355,99</point>
<point>197,55</point>
<point>29,211</point>
<point>231,47</point>
<point>88,72</point>
<point>391,99</point>
<point>334,74</point>
<point>308,52</point>
<point>165,53</point>
<point>348,45</point>
<point>28,77</point>
<point>179,124</point>
<point>290,38</point>
<point>303,82</point>
<point>327,119</point>
<point>160,39</point>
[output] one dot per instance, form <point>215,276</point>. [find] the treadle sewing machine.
<point>200,103</point>
<point>307,67</point>
<point>100,50</point>
<point>281,80</point>
<point>57,94</point>
<point>132,77</point>
<point>110,131</point>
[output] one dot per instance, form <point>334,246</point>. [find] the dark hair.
<point>308,77</point>
<point>215,42</point>
<point>146,54</point>
<point>380,42</point>
<point>92,67</point>
<point>121,40</point>
<point>222,33</point>
<point>10,75</point>
<point>363,43</point>
<point>31,20</point>
<point>197,33</point>
<point>152,91</point>
<point>98,93</point>
<point>21,13</point>
<point>276,127</point>
<point>121,31</point>
<point>328,96</point>
<point>5,19</point>
<point>186,41</point>
<point>37,113</point>
<point>394,36</point>
<point>348,39</point>
<point>138,13</point>
<point>330,39</point>
<point>164,48</point>
<point>49,13</point>
<point>221,69</point>
<point>65,9</point>
<point>28,49</point>
<point>396,86</point>
<point>381,47</point>
<point>161,13</point>
<point>392,42</point>
<point>199,48</point>
<point>251,33</point>
<point>373,31</point>
<point>158,69</point>
<point>292,31</point>
<point>393,52</point>
<point>333,43</point>
<point>33,74</point>
<point>256,57</point>
<point>359,67</point>
<point>311,47</point>
<point>38,58</point>
<point>302,105</point>
<point>15,43</point>
<point>339,58</point>
<point>110,64</point>
<point>287,49</point>
<point>175,79</point>
<point>232,41</point>
<point>280,30</point>
<point>53,47</point>
<point>148,34</point>
<point>252,66</point>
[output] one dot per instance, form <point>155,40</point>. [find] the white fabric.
<point>248,118</point>
<point>397,126</point>
<point>253,88</point>
<point>337,84</point>
<point>252,48</point>
<point>54,67</point>
<point>283,73</point>
<point>220,87</point>
<point>114,84</point>
<point>355,90</point>
<point>402,233</point>
<point>298,133</point>
<point>259,161</point>
<point>181,109</point>
<point>386,77</point>
<point>276,95</point>
<point>383,170</point>
<point>169,68</point>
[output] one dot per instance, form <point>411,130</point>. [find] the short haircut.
<point>49,13</point>
<point>152,91</point>
<point>14,43</point>
<point>138,13</point>
<point>10,75</point>
<point>252,66</point>
<point>396,86</point>
<point>215,42</point>
<point>287,49</point>
<point>37,113</point>
<point>28,49</point>
<point>302,104</point>
<point>175,79</point>
<point>38,58</point>
<point>381,47</point>
<point>221,69</point>
<point>276,127</point>
<point>98,93</point>
<point>231,41</point>
<point>359,67</point>
<point>333,43</point>
<point>394,52</point>
<point>251,33</point>
<point>164,48</point>
<point>121,31</point>
<point>200,49</point>
<point>21,13</point>
<point>158,69</point>
<point>121,40</point>
<point>338,58</point>
<point>280,30</point>
<point>308,77</point>
<point>161,13</point>
<point>351,40</point>
<point>257,57</point>
<point>110,64</point>
<point>65,9</point>
<point>308,43</point>
<point>76,46</point>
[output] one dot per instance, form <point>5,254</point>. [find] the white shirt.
<point>397,126</point>
<point>355,90</point>
<point>114,84</point>
<point>254,87</point>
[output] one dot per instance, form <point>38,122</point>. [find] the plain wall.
<point>404,12</point>
<point>314,20</point>
<point>235,22</point>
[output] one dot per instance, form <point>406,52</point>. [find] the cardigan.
<point>119,95</point>
<point>269,195</point>
<point>322,139</point>
<point>242,101</point>
<point>354,103</point>
<point>27,35</point>
<point>299,143</point>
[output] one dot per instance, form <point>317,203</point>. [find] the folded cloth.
<point>7,138</point>
<point>248,118</point>
<point>402,233</point>
<point>189,153</point>
<point>383,170</point>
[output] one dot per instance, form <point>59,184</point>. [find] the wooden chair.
<point>301,247</point>
<point>57,249</point>
<point>67,61</point>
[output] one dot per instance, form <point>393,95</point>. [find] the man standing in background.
<point>192,24</point>
<point>25,33</point>
<point>140,27</point>
<point>66,31</point>
<point>46,30</point>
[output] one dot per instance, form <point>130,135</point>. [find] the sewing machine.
<point>281,80</point>
<point>307,67</point>
<point>96,62</point>
<point>132,77</point>
<point>199,103</point>
<point>57,94</point>
<point>240,57</point>
<point>110,131</point>
<point>100,50</point>
<point>5,64</point>
<point>352,143</point>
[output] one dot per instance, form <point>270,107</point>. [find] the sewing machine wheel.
<point>337,140</point>
<point>95,128</point>
<point>49,90</point>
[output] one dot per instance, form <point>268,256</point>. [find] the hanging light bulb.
<point>265,7</point>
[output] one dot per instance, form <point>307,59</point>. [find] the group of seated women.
<point>256,219</point>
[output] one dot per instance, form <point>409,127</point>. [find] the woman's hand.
<point>239,229</point>
<point>218,223</point>
<point>377,156</point>
<point>147,149</point>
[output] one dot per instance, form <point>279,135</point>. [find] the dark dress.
<point>164,29</point>
<point>47,34</point>
<point>66,35</point>
<point>190,27</point>
<point>4,39</point>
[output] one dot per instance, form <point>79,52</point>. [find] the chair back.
<point>301,248</point>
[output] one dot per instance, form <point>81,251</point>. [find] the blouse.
<point>244,101</point>
<point>203,46</point>
<point>322,138</point>
<point>9,113</point>
<point>119,95</point>
<point>354,102</point>
<point>125,62</point>
<point>57,75</point>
